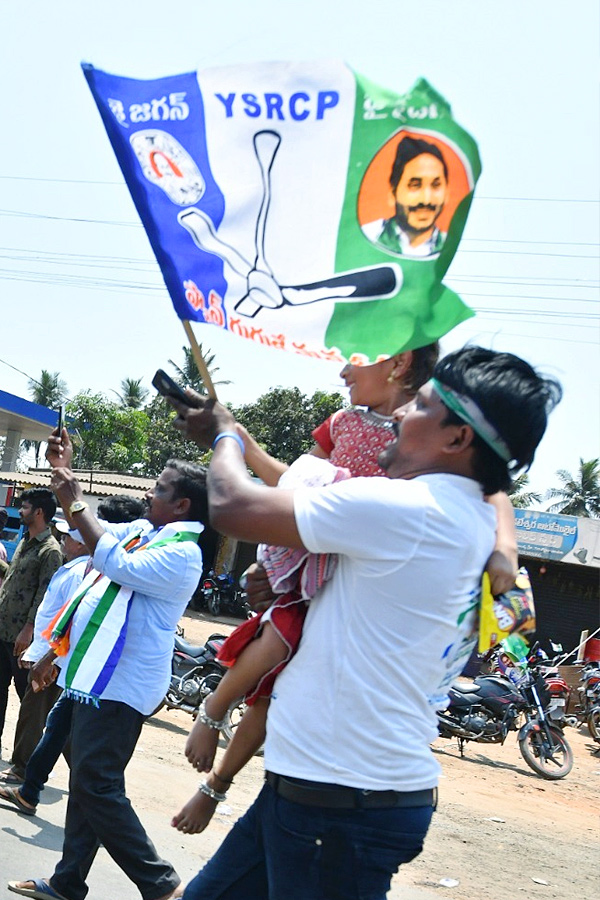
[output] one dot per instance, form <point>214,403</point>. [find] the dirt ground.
<point>500,830</point>
<point>499,826</point>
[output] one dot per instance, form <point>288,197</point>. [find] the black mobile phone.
<point>61,419</point>
<point>166,386</point>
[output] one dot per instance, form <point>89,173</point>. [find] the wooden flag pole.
<point>199,360</point>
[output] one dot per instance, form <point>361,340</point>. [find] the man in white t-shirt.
<point>351,780</point>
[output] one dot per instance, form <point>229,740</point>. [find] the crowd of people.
<point>378,537</point>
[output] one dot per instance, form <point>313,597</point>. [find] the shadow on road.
<point>479,760</point>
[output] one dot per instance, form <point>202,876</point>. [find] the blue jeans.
<point>51,745</point>
<point>286,851</point>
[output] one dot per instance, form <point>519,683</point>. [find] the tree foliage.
<point>579,494</point>
<point>133,393</point>
<point>521,498</point>
<point>136,436</point>
<point>282,419</point>
<point>187,375</point>
<point>50,391</point>
<point>165,442</point>
<point>106,435</point>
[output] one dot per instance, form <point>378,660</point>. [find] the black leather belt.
<point>336,796</point>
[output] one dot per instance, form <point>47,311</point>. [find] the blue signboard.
<point>567,538</point>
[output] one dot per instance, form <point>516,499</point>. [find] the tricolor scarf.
<point>92,661</point>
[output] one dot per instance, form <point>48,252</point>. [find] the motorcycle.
<point>195,673</point>
<point>222,596</point>
<point>538,661</point>
<point>588,707</point>
<point>487,709</point>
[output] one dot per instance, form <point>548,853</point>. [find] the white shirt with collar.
<point>63,585</point>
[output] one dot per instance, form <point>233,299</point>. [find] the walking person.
<point>144,575</point>
<point>41,761</point>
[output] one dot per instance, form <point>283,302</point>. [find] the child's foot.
<point>201,746</point>
<point>195,815</point>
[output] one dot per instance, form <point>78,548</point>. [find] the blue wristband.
<point>230,434</point>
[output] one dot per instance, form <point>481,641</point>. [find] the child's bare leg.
<point>198,811</point>
<point>248,737</point>
<point>259,657</point>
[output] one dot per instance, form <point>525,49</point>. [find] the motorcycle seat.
<point>463,688</point>
<point>190,649</point>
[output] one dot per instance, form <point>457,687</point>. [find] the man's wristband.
<point>230,434</point>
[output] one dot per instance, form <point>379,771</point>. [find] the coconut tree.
<point>188,375</point>
<point>133,394</point>
<point>580,493</point>
<point>519,497</point>
<point>49,390</point>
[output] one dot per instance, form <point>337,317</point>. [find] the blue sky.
<point>82,295</point>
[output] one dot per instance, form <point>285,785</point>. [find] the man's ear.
<point>460,440</point>
<point>183,506</point>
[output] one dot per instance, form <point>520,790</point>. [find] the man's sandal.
<point>9,776</point>
<point>11,795</point>
<point>41,889</point>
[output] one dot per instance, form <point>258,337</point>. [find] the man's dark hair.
<point>421,369</point>
<point>191,483</point>
<point>121,508</point>
<point>512,397</point>
<point>41,498</point>
<point>409,148</point>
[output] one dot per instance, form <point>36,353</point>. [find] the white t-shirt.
<point>356,705</point>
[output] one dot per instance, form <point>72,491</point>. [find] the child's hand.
<point>201,746</point>
<point>195,815</point>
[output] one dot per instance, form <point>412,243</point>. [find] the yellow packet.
<point>513,611</point>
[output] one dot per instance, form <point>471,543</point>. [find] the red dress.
<point>354,438</point>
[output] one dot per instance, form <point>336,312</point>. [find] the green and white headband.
<point>466,409</point>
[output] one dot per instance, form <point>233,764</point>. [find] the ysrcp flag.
<point>298,205</point>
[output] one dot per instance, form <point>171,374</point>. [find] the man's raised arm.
<point>238,507</point>
<point>68,490</point>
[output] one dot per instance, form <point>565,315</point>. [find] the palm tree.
<point>133,394</point>
<point>520,498</point>
<point>50,390</point>
<point>580,493</point>
<point>189,376</point>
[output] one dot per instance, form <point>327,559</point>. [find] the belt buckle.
<point>362,796</point>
